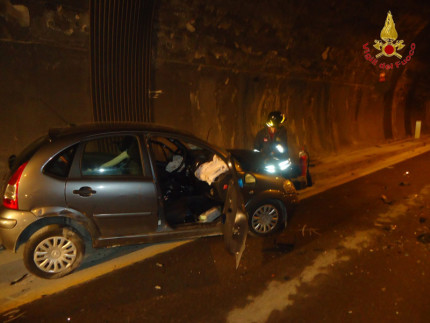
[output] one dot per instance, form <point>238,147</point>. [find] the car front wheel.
<point>53,252</point>
<point>266,218</point>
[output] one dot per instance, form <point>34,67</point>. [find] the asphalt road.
<point>358,252</point>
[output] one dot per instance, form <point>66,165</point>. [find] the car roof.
<point>106,127</point>
<point>78,132</point>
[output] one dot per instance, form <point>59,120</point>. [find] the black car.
<point>269,198</point>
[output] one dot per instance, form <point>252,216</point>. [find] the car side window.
<point>163,149</point>
<point>59,166</point>
<point>112,156</point>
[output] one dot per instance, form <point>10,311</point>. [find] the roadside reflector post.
<point>417,130</point>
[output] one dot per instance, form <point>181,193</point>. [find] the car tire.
<point>53,252</point>
<point>266,217</point>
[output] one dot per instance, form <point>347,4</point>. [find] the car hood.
<point>249,160</point>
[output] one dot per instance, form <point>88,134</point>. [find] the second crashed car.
<point>269,199</point>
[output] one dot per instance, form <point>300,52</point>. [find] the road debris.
<point>157,287</point>
<point>386,200</point>
<point>310,230</point>
<point>190,26</point>
<point>424,238</point>
<point>387,226</point>
<point>19,279</point>
<point>159,265</point>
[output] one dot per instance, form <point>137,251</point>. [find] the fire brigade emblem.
<point>389,46</point>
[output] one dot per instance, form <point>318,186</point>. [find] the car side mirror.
<point>11,161</point>
<point>249,180</point>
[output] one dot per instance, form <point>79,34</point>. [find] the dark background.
<point>221,67</point>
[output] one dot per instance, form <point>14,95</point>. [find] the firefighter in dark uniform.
<point>272,141</point>
<point>273,138</point>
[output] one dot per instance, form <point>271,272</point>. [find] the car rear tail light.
<point>10,197</point>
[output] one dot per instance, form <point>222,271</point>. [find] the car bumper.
<point>12,224</point>
<point>290,193</point>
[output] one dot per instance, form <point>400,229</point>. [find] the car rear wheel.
<point>53,252</point>
<point>266,218</point>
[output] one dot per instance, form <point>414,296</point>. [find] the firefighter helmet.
<point>275,119</point>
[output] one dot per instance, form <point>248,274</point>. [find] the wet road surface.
<point>354,253</point>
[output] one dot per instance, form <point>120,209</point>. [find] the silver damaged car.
<point>118,184</point>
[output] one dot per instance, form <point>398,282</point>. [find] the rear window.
<point>59,166</point>
<point>28,152</point>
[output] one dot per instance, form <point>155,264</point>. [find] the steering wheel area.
<point>183,154</point>
<point>175,159</point>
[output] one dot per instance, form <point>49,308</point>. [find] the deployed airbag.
<point>210,170</point>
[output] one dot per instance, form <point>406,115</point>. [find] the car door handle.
<point>85,191</point>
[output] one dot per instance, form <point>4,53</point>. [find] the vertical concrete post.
<point>417,129</point>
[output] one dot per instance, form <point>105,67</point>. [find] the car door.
<point>110,184</point>
<point>235,227</point>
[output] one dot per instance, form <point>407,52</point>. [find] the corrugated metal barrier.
<point>120,59</point>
